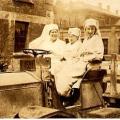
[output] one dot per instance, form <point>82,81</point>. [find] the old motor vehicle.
<point>21,85</point>
<point>27,90</point>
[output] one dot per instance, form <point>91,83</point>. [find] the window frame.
<point>25,1</point>
<point>105,38</point>
<point>20,36</point>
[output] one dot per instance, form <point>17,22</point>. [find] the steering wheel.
<point>36,52</point>
<point>95,61</point>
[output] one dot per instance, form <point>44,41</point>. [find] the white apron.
<point>75,66</point>
<point>57,49</point>
<point>71,67</point>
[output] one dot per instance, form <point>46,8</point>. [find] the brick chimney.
<point>100,5</point>
<point>108,7</point>
<point>117,12</point>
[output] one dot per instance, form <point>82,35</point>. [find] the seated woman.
<point>49,40</point>
<point>64,79</point>
<point>93,48</point>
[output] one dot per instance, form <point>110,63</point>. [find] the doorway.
<point>21,29</point>
<point>105,42</point>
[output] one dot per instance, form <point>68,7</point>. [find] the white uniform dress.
<point>71,67</point>
<point>57,47</point>
<point>75,65</point>
<point>95,46</point>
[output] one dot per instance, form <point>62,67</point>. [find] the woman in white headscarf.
<point>49,41</point>
<point>93,47</point>
<point>71,66</point>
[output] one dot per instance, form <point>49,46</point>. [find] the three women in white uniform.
<point>76,54</point>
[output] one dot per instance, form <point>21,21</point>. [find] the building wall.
<point>39,7</point>
<point>36,15</point>
<point>110,36</point>
<point>74,15</point>
<point>109,31</point>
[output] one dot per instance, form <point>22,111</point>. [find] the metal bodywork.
<point>18,90</point>
<point>33,94</point>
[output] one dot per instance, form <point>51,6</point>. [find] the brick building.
<point>74,14</point>
<point>21,21</point>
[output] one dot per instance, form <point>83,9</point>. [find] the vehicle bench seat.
<point>104,113</point>
<point>94,75</point>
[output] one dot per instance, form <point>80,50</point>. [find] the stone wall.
<point>4,33</point>
<point>38,8</point>
<point>34,14</point>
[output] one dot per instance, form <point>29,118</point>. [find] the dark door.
<point>21,29</point>
<point>105,42</point>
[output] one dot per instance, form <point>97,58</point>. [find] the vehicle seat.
<point>94,75</point>
<point>92,88</point>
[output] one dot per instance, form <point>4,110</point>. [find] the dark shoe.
<point>68,101</point>
<point>75,94</point>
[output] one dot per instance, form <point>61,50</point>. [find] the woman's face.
<point>90,30</point>
<point>53,35</point>
<point>72,38</point>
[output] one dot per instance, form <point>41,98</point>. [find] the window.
<point>66,40</point>
<point>25,1</point>
<point>82,39</point>
<point>49,2</point>
<point>119,46</point>
<point>21,29</point>
<point>105,42</point>
<point>27,65</point>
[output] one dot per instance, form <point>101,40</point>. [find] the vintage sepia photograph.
<point>59,59</point>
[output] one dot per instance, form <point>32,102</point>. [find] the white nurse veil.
<point>94,22</point>
<point>37,43</point>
